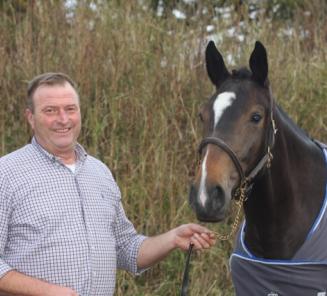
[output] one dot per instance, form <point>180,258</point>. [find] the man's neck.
<point>67,158</point>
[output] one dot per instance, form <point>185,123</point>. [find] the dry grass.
<point>142,80</point>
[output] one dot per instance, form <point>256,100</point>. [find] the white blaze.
<point>203,190</point>
<point>221,103</point>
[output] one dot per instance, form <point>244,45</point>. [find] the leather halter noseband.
<point>246,182</point>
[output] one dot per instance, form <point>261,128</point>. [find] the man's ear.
<point>30,117</point>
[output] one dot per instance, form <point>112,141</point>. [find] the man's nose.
<point>63,116</point>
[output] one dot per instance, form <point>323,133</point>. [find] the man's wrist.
<point>172,239</point>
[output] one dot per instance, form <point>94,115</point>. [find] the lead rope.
<point>221,237</point>
<point>186,271</point>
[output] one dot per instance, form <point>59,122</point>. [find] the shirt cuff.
<point>4,268</point>
<point>138,243</point>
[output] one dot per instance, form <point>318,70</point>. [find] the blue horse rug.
<point>304,275</point>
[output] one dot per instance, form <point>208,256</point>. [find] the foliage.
<point>142,80</point>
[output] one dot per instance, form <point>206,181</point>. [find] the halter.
<point>265,161</point>
<point>245,183</point>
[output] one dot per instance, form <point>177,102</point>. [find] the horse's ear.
<point>215,65</point>
<point>259,64</point>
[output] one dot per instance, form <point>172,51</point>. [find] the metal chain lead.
<point>239,203</point>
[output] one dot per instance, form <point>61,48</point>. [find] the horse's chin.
<point>210,220</point>
<point>216,218</point>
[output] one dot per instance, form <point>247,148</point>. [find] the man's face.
<point>56,120</point>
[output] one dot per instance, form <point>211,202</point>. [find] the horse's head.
<point>235,121</point>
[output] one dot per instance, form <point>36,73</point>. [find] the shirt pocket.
<point>106,208</point>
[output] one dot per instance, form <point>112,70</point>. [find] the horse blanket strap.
<point>305,274</point>
<point>186,272</point>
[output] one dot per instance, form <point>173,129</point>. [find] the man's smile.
<point>63,130</point>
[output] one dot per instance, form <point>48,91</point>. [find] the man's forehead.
<point>56,93</point>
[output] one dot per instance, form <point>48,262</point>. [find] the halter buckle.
<point>274,126</point>
<point>270,157</point>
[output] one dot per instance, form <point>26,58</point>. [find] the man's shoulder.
<point>17,157</point>
<point>16,164</point>
<point>99,168</point>
<point>97,163</point>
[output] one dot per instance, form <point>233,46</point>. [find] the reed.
<point>142,80</point>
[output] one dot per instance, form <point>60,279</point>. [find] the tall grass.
<point>142,80</point>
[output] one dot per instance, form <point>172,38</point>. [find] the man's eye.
<point>49,110</point>
<point>71,109</point>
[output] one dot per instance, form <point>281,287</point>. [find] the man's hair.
<point>49,79</point>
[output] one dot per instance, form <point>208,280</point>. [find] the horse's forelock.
<point>241,73</point>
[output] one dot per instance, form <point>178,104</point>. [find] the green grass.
<point>142,80</point>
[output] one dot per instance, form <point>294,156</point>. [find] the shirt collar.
<point>79,150</point>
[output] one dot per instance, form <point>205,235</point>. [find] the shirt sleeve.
<point>4,221</point>
<point>128,243</point>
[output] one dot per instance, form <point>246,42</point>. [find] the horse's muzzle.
<point>214,207</point>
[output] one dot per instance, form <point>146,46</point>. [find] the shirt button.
<point>94,273</point>
<point>93,248</point>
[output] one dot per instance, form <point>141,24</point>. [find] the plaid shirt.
<point>62,227</point>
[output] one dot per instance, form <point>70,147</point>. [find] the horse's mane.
<point>297,129</point>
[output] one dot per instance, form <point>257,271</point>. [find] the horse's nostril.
<point>217,197</point>
<point>219,191</point>
<point>216,192</point>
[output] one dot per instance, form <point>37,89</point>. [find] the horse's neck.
<point>286,200</point>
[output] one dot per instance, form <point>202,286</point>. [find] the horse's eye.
<point>201,117</point>
<point>256,117</point>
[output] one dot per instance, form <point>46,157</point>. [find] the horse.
<point>252,146</point>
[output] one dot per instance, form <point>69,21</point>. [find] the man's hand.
<point>196,234</point>
<point>154,249</point>
<point>16,283</point>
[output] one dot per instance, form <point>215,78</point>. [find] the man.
<point>63,230</point>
